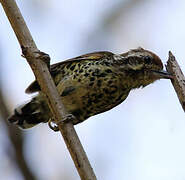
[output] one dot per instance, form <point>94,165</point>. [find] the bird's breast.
<point>90,89</point>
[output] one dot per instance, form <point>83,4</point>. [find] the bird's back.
<point>87,86</point>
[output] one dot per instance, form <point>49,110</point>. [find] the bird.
<point>91,84</point>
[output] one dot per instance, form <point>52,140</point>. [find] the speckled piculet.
<point>91,84</point>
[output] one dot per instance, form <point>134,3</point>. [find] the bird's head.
<point>142,66</point>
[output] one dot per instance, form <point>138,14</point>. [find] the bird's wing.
<point>89,56</point>
<point>34,86</point>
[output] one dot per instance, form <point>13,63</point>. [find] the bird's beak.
<point>162,74</point>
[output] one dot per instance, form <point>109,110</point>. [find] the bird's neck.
<point>136,79</point>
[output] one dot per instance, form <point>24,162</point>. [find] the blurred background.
<point>141,139</point>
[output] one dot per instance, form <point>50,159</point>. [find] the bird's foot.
<point>54,126</point>
<point>44,57</point>
<point>66,119</point>
<point>41,55</point>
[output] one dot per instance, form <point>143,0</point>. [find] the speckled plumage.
<point>91,84</point>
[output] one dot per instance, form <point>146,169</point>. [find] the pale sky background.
<point>141,139</point>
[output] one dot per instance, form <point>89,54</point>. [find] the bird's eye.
<point>147,59</point>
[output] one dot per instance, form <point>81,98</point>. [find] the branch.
<point>178,81</point>
<point>16,138</point>
<point>40,69</point>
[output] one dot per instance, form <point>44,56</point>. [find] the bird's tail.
<point>31,113</point>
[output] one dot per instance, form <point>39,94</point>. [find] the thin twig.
<point>179,80</point>
<point>16,138</point>
<point>48,87</point>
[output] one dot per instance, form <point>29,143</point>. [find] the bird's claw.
<point>41,55</point>
<point>44,57</point>
<point>66,119</point>
<point>54,126</point>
